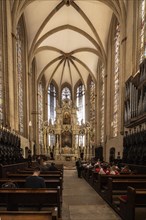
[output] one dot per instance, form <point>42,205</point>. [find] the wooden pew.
<point>28,172</point>
<point>117,187</point>
<point>94,179</point>
<point>84,171</point>
<point>24,175</point>
<point>58,166</point>
<point>11,168</point>
<point>103,179</point>
<point>50,183</point>
<point>30,198</point>
<point>88,174</point>
<point>135,198</point>
<point>28,215</point>
<point>43,171</point>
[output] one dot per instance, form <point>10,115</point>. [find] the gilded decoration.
<point>67,133</point>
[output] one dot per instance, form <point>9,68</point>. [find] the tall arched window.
<point>66,93</point>
<point>116,80</point>
<point>80,102</point>
<point>1,68</point>
<point>142,30</point>
<point>52,102</point>
<point>40,113</point>
<point>102,101</point>
<point>92,118</point>
<point>20,51</point>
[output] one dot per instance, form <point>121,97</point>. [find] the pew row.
<point>134,198</point>
<point>28,215</point>
<point>117,187</point>
<point>14,199</point>
<point>24,175</point>
<point>103,179</point>
<point>50,183</point>
<point>42,172</point>
<point>58,166</point>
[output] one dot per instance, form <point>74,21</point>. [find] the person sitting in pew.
<point>45,166</point>
<point>113,170</point>
<point>52,167</point>
<point>97,168</point>
<point>106,169</point>
<point>35,181</point>
<point>125,169</point>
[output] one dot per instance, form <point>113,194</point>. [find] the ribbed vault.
<point>67,38</point>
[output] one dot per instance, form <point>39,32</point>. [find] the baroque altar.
<point>65,138</point>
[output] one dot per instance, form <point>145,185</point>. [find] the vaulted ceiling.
<point>68,37</point>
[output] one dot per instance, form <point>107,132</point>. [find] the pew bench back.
<point>31,197</point>
<point>134,198</point>
<point>103,179</point>
<point>50,183</point>
<point>28,215</point>
<point>119,187</point>
<point>24,175</point>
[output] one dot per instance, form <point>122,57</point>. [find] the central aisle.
<point>81,202</point>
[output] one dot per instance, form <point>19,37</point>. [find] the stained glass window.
<point>92,93</point>
<point>92,100</point>
<point>80,102</point>
<point>102,101</point>
<point>116,80</point>
<point>52,102</point>
<point>66,94</point>
<point>142,24</point>
<point>20,73</point>
<point>1,70</point>
<point>40,113</point>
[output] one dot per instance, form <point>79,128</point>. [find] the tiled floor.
<point>81,202</point>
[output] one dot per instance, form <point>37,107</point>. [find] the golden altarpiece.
<point>71,139</point>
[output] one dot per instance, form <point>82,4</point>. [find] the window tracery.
<point>92,96</point>
<point>20,73</point>
<point>1,73</point>
<point>51,102</point>
<point>66,93</point>
<point>116,80</point>
<point>142,34</point>
<point>80,102</point>
<point>40,113</point>
<point>102,101</point>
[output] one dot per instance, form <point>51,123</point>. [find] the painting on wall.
<point>67,139</point>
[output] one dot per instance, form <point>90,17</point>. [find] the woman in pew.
<point>35,181</point>
<point>114,171</point>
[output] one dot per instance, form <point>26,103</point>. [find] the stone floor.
<point>81,202</point>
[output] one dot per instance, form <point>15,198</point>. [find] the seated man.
<point>52,167</point>
<point>35,181</point>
